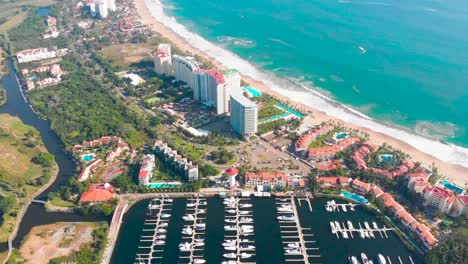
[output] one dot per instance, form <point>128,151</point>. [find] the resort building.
<point>232,80</point>
<point>120,148</point>
<point>162,63</point>
<point>329,152</point>
<point>305,139</point>
<point>34,55</point>
<point>361,186</point>
<point>333,182</point>
<point>103,8</point>
<point>89,169</point>
<point>111,5</point>
<point>266,180</point>
<point>179,163</point>
<point>166,48</point>
<point>32,80</point>
<point>101,192</point>
<point>439,198</point>
<point>146,170</point>
<point>361,154</point>
<point>460,206</point>
<point>244,115</point>
<point>210,89</point>
<point>184,68</point>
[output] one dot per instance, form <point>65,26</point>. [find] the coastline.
<point>451,171</point>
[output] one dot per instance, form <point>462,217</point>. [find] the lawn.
<point>123,55</point>
<point>13,13</point>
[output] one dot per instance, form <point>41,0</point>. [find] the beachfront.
<point>453,172</point>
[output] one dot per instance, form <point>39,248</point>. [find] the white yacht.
<point>364,258</point>
<point>366,234</point>
<point>285,218</point>
<point>184,246</point>
<point>202,203</point>
<point>245,247</point>
<point>188,217</point>
<point>161,231</point>
<point>165,215</point>
<point>246,205</point>
<point>230,248</point>
<point>353,260</point>
<point>245,220</point>
<point>230,221</point>
<point>381,259</point>
<point>168,200</point>
<point>199,244</point>
<point>337,226</point>
<point>345,234</point>
<point>374,224</point>
<point>350,225</point>
<point>164,224</point>
<point>247,226</point>
<point>351,207</point>
<point>361,233</point>
<point>295,251</point>
<point>230,228</point>
<point>343,206</point>
<point>231,211</point>
<point>371,234</point>
<point>187,231</point>
<point>161,237</point>
<point>245,255</point>
<point>244,212</point>
<point>199,261</point>
<point>293,245</point>
<point>159,242</point>
<point>190,205</point>
<point>200,227</point>
<point>230,255</point>
<point>201,211</point>
<point>333,228</point>
<point>367,225</point>
<point>229,243</point>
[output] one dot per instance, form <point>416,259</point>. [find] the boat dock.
<point>364,232</point>
<point>332,206</point>
<point>152,240</point>
<point>296,239</point>
<point>196,207</point>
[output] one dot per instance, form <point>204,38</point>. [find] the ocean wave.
<point>446,152</point>
<point>436,130</point>
<point>239,42</point>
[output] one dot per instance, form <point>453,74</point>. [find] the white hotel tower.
<point>184,68</point>
<point>210,88</point>
<point>244,115</point>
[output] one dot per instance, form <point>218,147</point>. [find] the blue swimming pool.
<point>342,135</point>
<point>87,157</point>
<point>355,197</point>
<point>289,110</point>
<point>452,187</point>
<point>252,91</point>
<point>386,157</point>
<point>158,185</point>
<point>273,118</point>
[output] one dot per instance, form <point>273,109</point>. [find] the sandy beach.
<point>455,173</point>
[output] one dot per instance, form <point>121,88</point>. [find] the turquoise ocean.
<point>398,67</point>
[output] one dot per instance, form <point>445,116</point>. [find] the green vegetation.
<point>222,156</point>
<point>398,157</point>
<point>82,109</point>
<point>88,254</point>
<point>24,168</point>
<point>13,12</point>
<point>320,141</point>
<point>269,111</point>
<point>452,248</point>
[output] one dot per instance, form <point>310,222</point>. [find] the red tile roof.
<point>264,175</point>
<point>366,187</point>
<point>232,171</point>
<point>219,77</point>
<point>439,192</point>
<point>305,139</point>
<point>333,150</point>
<point>98,193</point>
<point>463,199</point>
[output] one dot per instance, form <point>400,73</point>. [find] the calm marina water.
<point>268,242</point>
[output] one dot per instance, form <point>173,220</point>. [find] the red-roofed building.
<point>460,206</point>
<point>377,191</point>
<point>305,139</point>
<point>297,182</point>
<point>162,63</point>
<point>77,148</point>
<point>328,165</point>
<point>232,173</point>
<point>98,193</point>
<point>146,170</point>
<point>268,180</point>
<point>332,182</point>
<point>439,198</point>
<point>417,185</point>
<point>361,186</point>
<point>329,152</point>
<point>90,168</point>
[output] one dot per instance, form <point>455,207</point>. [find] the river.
<point>36,214</point>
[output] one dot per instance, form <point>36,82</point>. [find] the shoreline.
<point>452,172</point>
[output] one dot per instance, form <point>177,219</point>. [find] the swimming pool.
<point>341,135</point>
<point>158,185</point>
<point>273,118</point>
<point>452,187</point>
<point>87,157</point>
<point>355,197</point>
<point>289,110</point>
<point>252,91</point>
<point>386,157</point>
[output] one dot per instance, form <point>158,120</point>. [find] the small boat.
<point>229,262</point>
<point>231,221</point>
<point>161,231</point>
<point>350,225</point>
<point>282,199</point>
<point>337,226</point>
<point>381,259</point>
<point>199,244</point>
<point>230,248</point>
<point>374,224</point>
<point>161,237</point>
<point>285,210</point>
<point>199,261</point>
<point>367,225</point>
<point>366,234</point>
<point>294,251</point>
<point>231,211</point>
<point>154,206</point>
<point>343,206</point>
<point>199,240</point>
<point>163,224</point>
<point>333,228</point>
<point>189,205</point>
<point>328,208</point>
<point>201,211</point>
<point>187,231</point>
<point>247,226</point>
<point>364,258</point>
<point>361,233</point>
<point>245,220</point>
<point>230,228</point>
<point>351,207</point>
<point>245,205</point>
<point>245,255</point>
<point>293,245</point>
<point>169,200</point>
<point>362,49</point>
<point>165,215</point>
<point>188,217</point>
<point>285,218</point>
<point>371,234</point>
<point>244,212</point>
<point>245,246</point>
<point>229,244</point>
<point>200,227</point>
<point>353,260</point>
<point>230,255</point>
<point>345,234</point>
<point>159,242</point>
<point>184,246</point>
<point>202,203</point>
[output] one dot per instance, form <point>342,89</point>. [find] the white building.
<point>210,88</point>
<point>35,55</point>
<point>111,5</point>
<point>244,115</point>
<point>460,206</point>
<point>232,79</point>
<point>166,47</point>
<point>181,164</point>
<point>439,198</point>
<point>184,68</point>
<point>103,8</point>
<point>162,63</point>
<point>146,170</point>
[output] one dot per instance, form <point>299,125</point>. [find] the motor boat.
<point>202,203</point>
<point>246,205</point>
<point>381,259</point>
<point>294,251</point>
<point>247,226</point>
<point>374,224</point>
<point>230,243</point>
<point>188,217</point>
<point>200,227</point>
<point>190,205</point>
<point>366,224</point>
<point>159,242</point>
<point>161,231</point>
<point>293,245</point>
<point>244,212</point>
<point>366,234</point>
<point>161,237</point>
<point>371,234</point>
<point>231,211</point>
<point>364,258</point>
<point>230,228</point>
<point>199,261</point>
<point>353,260</point>
<point>229,262</point>
<point>361,233</point>
<point>345,234</point>
<point>285,218</point>
<point>245,247</point>
<point>245,220</point>
<point>328,207</point>
<point>154,206</point>
<point>282,199</point>
<point>343,206</point>
<point>351,207</point>
<point>164,224</point>
<point>187,231</point>
<point>230,248</point>
<point>285,210</point>
<point>231,221</point>
<point>169,200</point>
<point>184,246</point>
<point>165,215</point>
<point>333,228</point>
<point>350,225</point>
<point>199,244</point>
<point>245,255</point>
<point>230,255</point>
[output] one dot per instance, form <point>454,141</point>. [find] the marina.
<point>237,229</point>
<point>364,231</point>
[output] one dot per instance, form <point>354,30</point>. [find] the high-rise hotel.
<point>184,68</point>
<point>210,88</point>
<point>244,114</point>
